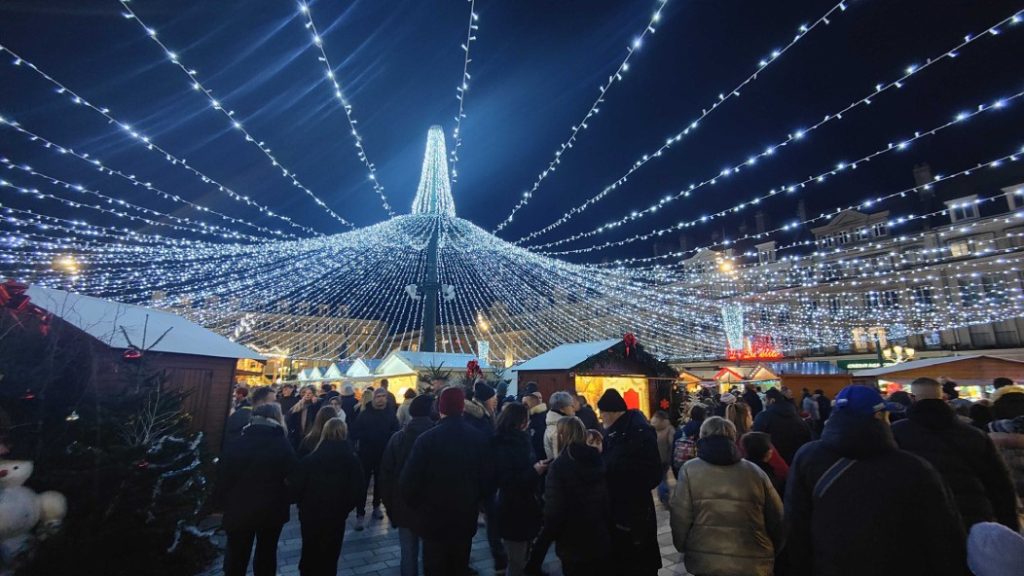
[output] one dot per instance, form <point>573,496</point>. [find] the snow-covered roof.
<point>102,319</point>
<point>416,361</point>
<point>566,356</point>
<point>925,363</point>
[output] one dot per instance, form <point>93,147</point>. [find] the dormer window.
<point>963,208</point>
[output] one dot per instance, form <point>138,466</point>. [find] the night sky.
<point>537,66</point>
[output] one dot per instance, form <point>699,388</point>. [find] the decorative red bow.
<point>630,341</point>
<point>15,301</point>
<point>473,369</point>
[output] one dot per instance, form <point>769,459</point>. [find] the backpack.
<point>685,449</point>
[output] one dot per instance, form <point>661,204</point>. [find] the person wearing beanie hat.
<point>1008,402</point>
<point>633,468</point>
<point>479,413</point>
<point>964,456</point>
<point>833,483</point>
<point>781,420</point>
<point>727,398</point>
<point>447,476</point>
<point>396,454</point>
<point>994,550</point>
<point>371,431</point>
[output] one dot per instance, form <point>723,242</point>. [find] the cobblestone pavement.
<point>375,550</point>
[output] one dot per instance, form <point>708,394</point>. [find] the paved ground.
<point>375,551</point>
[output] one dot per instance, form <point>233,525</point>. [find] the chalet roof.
<point>423,360</point>
<point>567,355</point>
<point>103,319</point>
<point>926,363</point>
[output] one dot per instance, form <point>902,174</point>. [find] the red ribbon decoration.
<point>473,370</point>
<point>630,341</point>
<point>15,301</point>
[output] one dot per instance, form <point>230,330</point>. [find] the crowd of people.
<point>765,483</point>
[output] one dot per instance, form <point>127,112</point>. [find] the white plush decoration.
<point>22,509</point>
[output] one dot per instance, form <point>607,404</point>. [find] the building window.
<point>835,304</point>
<point>871,299</point>
<point>960,248</point>
<point>968,293</point>
<point>923,298</point>
<point>880,229</point>
<point>993,292</point>
<point>964,212</point>
<point>890,299</point>
<point>766,256</point>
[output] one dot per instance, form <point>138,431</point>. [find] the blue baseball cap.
<point>863,401</point>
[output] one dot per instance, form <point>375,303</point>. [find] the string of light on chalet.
<point>577,128</point>
<point>339,96</point>
<point>462,88</point>
<point>193,76</point>
<point>837,168</point>
<point>692,126</point>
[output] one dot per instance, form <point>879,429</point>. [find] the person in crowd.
<point>595,439</point>
<point>392,401</point>
<point>1008,402</point>
<point>538,420</point>
<point>841,522</point>
<point>364,399</point>
<point>241,397</point>
<point>753,399</point>
<point>287,398</point>
<point>250,490</point>
<point>371,431</point>
<point>692,428</point>
<point>335,402</point>
<point>633,469</point>
<point>726,517</point>
<point>964,456</point>
<point>585,413</point>
<point>517,477</point>
<point>327,392</point>
<point>1008,436</point>
<point>950,391</point>
<point>783,423</point>
<point>396,454</point>
<point>994,550</point>
<point>577,505</point>
<point>480,410</point>
<point>479,413</point>
<point>327,484</point>
<point>724,402</point>
<point>302,415</point>
<point>980,415</point>
<point>349,403</point>
<point>757,447</point>
<point>403,410</point>
<point>1001,381</point>
<point>240,418</point>
<point>312,438</point>
<point>447,476</point>
<point>810,407</point>
<point>528,389</point>
<point>824,405</point>
<point>666,439</point>
<point>560,405</point>
<point>739,414</point>
<point>901,402</point>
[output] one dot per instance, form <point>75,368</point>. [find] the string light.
<point>229,114</point>
<point>339,95</point>
<point>460,91</point>
<point>582,125</point>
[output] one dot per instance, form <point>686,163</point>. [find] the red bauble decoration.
<point>629,339</point>
<point>131,354</point>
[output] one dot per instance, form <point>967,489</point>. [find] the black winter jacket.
<point>633,466</point>
<point>296,431</point>
<point>577,510</point>
<point>589,419</point>
<point>396,454</point>
<point>754,401</point>
<point>327,485</point>
<point>478,417</point>
<point>372,430</point>
<point>538,424</point>
<point>238,420</point>
<point>251,478</point>
<point>348,406</point>
<point>788,430</point>
<point>888,513</point>
<point>519,511</point>
<point>448,474</point>
<point>966,459</point>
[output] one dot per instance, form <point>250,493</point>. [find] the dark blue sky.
<point>536,68</point>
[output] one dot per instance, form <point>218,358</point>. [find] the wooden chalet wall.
<point>967,371</point>
<point>548,381</point>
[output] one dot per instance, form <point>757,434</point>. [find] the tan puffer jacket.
<point>726,517</point>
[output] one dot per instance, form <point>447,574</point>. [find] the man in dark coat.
<point>964,456</point>
<point>396,454</point>
<point>479,411</point>
<point>349,403</point>
<point>534,402</point>
<point>856,504</point>
<point>239,419</point>
<point>371,431</point>
<point>752,399</point>
<point>586,414</point>
<point>783,423</point>
<point>446,477</point>
<point>633,467</point>
<point>251,492</point>
<point>287,397</point>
